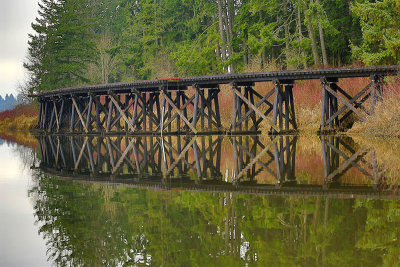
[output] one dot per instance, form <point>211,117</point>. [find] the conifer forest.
<point>79,42</point>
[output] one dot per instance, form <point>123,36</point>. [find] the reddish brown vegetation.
<point>20,110</point>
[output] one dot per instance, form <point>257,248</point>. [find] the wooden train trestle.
<point>191,105</point>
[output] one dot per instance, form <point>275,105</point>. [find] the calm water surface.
<point>204,201</point>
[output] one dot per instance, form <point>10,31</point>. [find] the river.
<point>208,200</point>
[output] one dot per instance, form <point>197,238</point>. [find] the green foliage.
<point>380,30</point>
<point>81,42</point>
<point>94,224</point>
<point>62,46</point>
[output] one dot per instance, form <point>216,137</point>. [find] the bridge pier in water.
<point>191,105</point>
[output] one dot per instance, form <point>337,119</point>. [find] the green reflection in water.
<point>95,224</point>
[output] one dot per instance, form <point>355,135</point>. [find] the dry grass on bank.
<point>21,118</point>
<point>387,155</point>
<point>386,119</point>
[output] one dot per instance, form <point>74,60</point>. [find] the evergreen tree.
<point>62,46</point>
<point>79,42</point>
<point>380,31</point>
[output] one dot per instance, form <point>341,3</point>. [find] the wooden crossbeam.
<point>352,100</point>
<point>80,154</point>
<point>256,110</point>
<point>172,166</point>
<point>348,162</point>
<point>263,165</point>
<point>79,114</point>
<point>61,114</point>
<point>56,114</point>
<point>348,96</point>
<point>122,158</point>
<point>179,153</point>
<point>354,164</point>
<point>345,102</point>
<point>122,112</point>
<point>164,96</point>
<point>257,158</point>
<point>263,100</point>
<point>190,101</point>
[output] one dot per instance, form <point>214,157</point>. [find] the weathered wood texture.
<point>191,105</point>
<point>153,158</point>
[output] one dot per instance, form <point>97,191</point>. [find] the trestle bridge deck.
<point>191,105</point>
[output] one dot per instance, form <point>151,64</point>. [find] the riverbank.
<point>21,118</point>
<point>385,122</point>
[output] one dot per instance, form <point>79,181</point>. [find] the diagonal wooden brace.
<point>79,114</point>
<point>177,110</point>
<point>256,110</point>
<point>121,112</point>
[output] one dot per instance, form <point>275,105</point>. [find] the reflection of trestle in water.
<point>194,163</point>
<point>251,157</point>
<point>335,148</point>
<point>147,156</point>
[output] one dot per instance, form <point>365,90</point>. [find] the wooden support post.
<point>163,100</point>
<point>324,96</point>
<point>89,113</point>
<point>151,104</point>
<point>292,109</point>
<point>61,115</point>
<point>50,126</point>
<point>144,111</point>
<point>40,114</point>
<point>178,105</point>
<point>97,107</point>
<point>376,91</point>
<point>276,102</point>
<point>234,107</point>
<point>110,111</point>
<point>287,113</point>
<point>134,114</point>
<point>195,105</point>
<point>246,108</point>
<point>239,109</point>
<point>217,112</point>
<point>203,104</point>
<point>72,121</point>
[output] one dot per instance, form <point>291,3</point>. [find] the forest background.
<point>78,42</point>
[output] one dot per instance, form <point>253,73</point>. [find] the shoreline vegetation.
<point>385,122</point>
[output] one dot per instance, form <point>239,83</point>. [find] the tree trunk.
<point>221,31</point>
<point>228,30</point>
<point>301,36</point>
<point>322,40</point>
<point>286,27</point>
<point>313,41</point>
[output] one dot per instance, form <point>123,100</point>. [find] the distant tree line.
<point>77,42</point>
<point>9,101</point>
